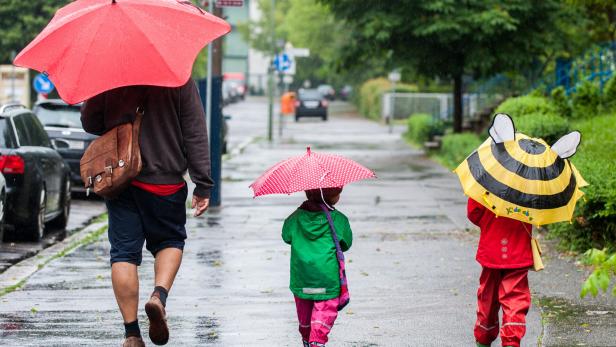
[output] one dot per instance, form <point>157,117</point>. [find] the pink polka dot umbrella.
<point>309,171</point>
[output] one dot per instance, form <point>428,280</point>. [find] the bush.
<point>594,224</point>
<point>371,95</point>
<point>548,127</point>
<point>456,147</point>
<point>523,105</point>
<point>586,100</point>
<point>609,94</point>
<point>561,101</point>
<point>421,128</point>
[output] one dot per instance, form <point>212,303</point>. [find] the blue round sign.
<point>42,84</point>
<point>282,62</point>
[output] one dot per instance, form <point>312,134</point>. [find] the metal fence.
<point>439,105</point>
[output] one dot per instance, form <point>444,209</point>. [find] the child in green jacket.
<point>315,278</point>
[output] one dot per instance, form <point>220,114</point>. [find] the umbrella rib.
<point>149,41</point>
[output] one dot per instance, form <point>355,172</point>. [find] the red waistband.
<point>159,189</point>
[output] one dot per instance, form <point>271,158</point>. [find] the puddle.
<point>437,218</point>
<point>207,329</point>
<point>211,258</point>
<point>569,324</point>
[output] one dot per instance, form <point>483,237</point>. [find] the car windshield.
<point>63,116</point>
<point>310,94</point>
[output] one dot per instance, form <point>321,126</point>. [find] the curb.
<point>239,149</point>
<point>15,276</point>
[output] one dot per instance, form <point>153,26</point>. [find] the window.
<point>21,128</point>
<point>38,135</point>
<point>6,138</point>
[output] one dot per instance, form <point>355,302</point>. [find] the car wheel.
<point>36,229</point>
<point>324,118</point>
<point>61,221</point>
<point>296,118</point>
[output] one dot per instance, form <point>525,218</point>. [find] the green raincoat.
<point>314,267</point>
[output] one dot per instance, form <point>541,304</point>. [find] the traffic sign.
<point>283,62</point>
<point>42,84</point>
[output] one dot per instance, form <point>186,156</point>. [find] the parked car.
<point>38,184</point>
<point>63,126</point>
<point>238,81</point>
<point>229,93</point>
<point>345,92</point>
<point>327,91</point>
<point>310,103</point>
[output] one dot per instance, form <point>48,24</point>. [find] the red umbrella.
<point>310,171</point>
<point>91,46</point>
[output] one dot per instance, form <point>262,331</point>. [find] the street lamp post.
<point>270,115</point>
<point>394,77</point>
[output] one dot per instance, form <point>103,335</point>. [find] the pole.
<point>270,114</point>
<point>208,94</point>
<point>393,108</point>
<point>13,77</point>
<point>216,118</point>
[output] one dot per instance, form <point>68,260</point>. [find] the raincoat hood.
<point>314,224</point>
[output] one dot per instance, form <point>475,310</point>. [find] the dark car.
<point>37,178</point>
<point>310,103</point>
<point>63,125</point>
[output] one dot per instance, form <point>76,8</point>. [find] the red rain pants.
<point>316,319</point>
<point>506,288</point>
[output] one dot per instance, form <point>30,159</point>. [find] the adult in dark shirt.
<point>152,210</point>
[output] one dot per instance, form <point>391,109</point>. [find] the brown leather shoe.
<point>133,341</point>
<point>159,332</point>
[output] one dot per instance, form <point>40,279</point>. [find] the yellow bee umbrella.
<point>523,178</point>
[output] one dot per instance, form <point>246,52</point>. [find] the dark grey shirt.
<point>173,133</point>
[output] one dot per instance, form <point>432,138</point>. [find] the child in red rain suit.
<point>505,254</point>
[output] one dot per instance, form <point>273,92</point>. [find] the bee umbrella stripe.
<point>500,153</point>
<point>514,196</point>
<point>517,179</point>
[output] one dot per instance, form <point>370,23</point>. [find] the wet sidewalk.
<point>411,269</point>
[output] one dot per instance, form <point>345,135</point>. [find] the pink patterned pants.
<point>316,318</point>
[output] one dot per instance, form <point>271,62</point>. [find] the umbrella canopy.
<point>91,46</point>
<point>523,178</point>
<point>309,171</point>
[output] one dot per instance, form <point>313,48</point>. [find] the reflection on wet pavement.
<point>411,269</point>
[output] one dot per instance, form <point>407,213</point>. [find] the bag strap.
<point>332,228</point>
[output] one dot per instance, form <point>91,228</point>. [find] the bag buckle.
<point>110,168</point>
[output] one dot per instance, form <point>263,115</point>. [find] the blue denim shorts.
<point>137,217</point>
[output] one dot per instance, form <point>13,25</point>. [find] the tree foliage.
<point>21,21</point>
<point>450,38</point>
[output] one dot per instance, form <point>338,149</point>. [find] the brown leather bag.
<point>113,160</point>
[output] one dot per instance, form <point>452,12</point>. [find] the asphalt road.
<point>82,211</point>
<point>411,270</point>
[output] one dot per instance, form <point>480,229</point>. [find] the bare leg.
<point>166,266</point>
<point>125,282</point>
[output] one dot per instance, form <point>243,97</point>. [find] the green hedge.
<point>421,128</point>
<point>528,104</point>
<point>586,100</point>
<point>371,94</point>
<point>536,116</point>
<point>548,127</point>
<point>594,224</point>
<point>456,147</point>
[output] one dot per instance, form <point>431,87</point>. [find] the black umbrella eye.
<point>531,146</point>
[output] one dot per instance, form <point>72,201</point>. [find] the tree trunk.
<point>457,103</point>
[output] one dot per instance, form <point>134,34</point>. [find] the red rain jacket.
<point>504,242</point>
